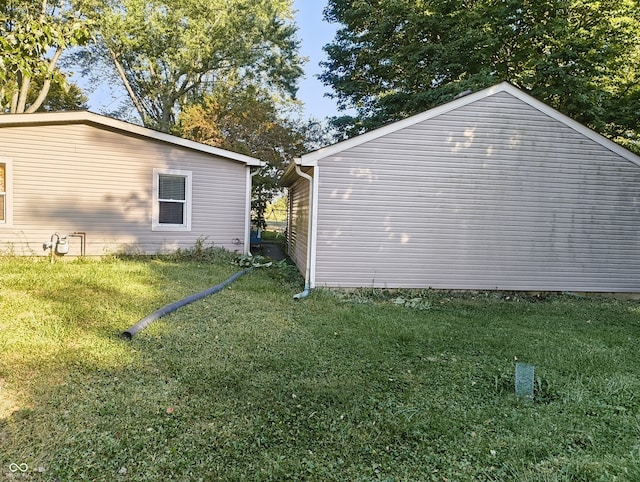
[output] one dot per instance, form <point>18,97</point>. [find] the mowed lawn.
<point>249,385</point>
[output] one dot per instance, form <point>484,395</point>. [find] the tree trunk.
<point>123,76</point>
<point>23,86</point>
<point>46,84</point>
<point>14,102</point>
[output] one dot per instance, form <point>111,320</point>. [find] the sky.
<point>313,33</point>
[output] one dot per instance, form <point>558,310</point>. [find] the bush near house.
<point>250,385</point>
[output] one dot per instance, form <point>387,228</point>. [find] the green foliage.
<point>33,36</point>
<point>416,303</point>
<point>61,97</point>
<point>277,210</point>
<point>249,385</point>
<point>414,299</point>
<point>394,58</point>
<point>166,53</point>
<point>202,252</point>
<point>283,272</point>
<point>244,117</point>
<point>257,261</point>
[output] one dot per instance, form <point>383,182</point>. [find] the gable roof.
<point>103,122</point>
<point>311,159</point>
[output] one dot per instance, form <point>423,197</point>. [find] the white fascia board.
<point>85,117</point>
<point>290,172</point>
<point>312,158</point>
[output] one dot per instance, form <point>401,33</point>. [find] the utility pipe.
<point>83,240</point>
<point>51,246</point>
<point>143,323</point>
<point>307,276</point>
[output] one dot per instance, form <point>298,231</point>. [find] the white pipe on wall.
<point>307,275</point>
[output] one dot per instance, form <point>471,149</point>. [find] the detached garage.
<point>107,186</point>
<point>493,191</point>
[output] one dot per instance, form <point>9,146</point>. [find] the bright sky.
<point>313,33</point>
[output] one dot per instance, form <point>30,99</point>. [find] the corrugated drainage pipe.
<point>143,323</point>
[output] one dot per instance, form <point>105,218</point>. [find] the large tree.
<point>33,36</point>
<point>245,118</point>
<point>394,58</point>
<point>167,52</point>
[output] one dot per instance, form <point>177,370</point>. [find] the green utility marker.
<point>524,381</point>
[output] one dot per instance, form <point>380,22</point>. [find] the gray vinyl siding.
<point>298,223</point>
<point>492,195</point>
<point>78,177</point>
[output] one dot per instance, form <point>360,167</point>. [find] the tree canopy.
<point>243,117</point>
<point>394,58</point>
<point>33,36</point>
<point>169,52</point>
<point>61,97</point>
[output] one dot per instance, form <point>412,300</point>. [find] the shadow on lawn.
<point>96,404</point>
<point>61,346</point>
<point>247,385</point>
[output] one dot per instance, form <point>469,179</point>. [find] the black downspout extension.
<point>143,323</point>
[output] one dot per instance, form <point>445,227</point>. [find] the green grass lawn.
<point>250,385</point>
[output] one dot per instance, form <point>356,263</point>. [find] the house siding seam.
<point>492,195</point>
<point>80,177</point>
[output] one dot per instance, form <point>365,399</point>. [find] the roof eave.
<point>289,176</point>
<point>312,158</point>
<point>86,117</point>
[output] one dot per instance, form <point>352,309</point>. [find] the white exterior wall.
<point>80,177</point>
<point>492,195</point>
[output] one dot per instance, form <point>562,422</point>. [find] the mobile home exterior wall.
<point>298,223</point>
<point>84,177</point>
<point>493,194</point>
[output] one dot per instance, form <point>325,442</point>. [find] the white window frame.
<point>155,223</point>
<point>8,193</point>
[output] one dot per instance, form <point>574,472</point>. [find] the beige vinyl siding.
<point>492,195</point>
<point>79,177</point>
<point>3,191</point>
<point>298,237</point>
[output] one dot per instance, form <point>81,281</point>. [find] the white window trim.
<point>155,212</point>
<point>8,200</point>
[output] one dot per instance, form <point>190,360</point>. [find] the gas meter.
<point>62,246</point>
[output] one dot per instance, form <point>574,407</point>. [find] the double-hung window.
<point>171,200</point>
